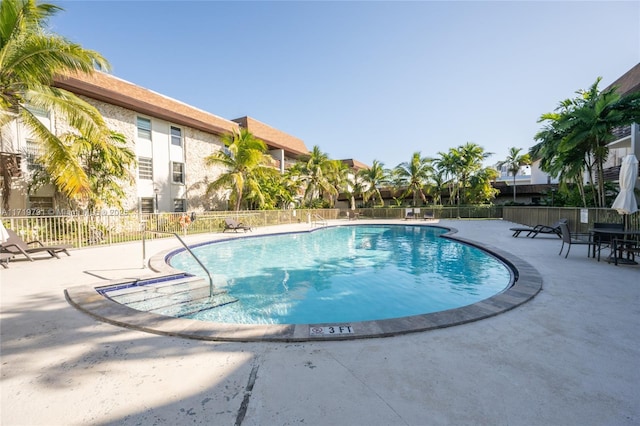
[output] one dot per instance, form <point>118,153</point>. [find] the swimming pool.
<point>96,300</point>
<point>343,274</point>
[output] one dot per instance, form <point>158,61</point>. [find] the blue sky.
<point>367,80</point>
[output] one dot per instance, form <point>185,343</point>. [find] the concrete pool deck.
<point>569,356</point>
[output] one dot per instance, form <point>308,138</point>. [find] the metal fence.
<point>90,230</point>
<point>438,212</point>
<point>99,229</point>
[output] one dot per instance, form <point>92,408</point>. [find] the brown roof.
<point>354,164</point>
<point>107,88</point>
<point>629,82</point>
<point>112,90</point>
<point>274,138</point>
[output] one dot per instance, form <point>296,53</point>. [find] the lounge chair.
<point>17,246</point>
<point>4,259</point>
<point>235,226</point>
<point>428,216</point>
<point>539,229</point>
<point>569,239</point>
<point>412,214</point>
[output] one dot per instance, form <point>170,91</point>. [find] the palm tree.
<point>30,58</point>
<point>469,158</point>
<point>514,162</point>
<point>107,165</point>
<point>460,164</point>
<point>313,169</point>
<point>243,159</point>
<point>355,187</point>
<point>337,173</point>
<point>413,175</point>
<point>372,179</point>
<point>481,190</point>
<point>583,126</point>
<point>446,166</point>
<point>437,186</point>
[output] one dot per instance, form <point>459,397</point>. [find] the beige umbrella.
<point>4,235</point>
<point>625,202</point>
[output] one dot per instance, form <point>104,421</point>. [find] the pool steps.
<point>177,295</point>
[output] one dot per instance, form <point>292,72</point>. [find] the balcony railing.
<point>621,132</point>
<point>612,173</point>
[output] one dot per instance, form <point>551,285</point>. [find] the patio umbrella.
<point>625,203</point>
<point>4,235</point>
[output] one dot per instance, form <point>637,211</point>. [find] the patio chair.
<point>620,246</point>
<point>569,239</point>
<point>230,224</point>
<point>539,229</point>
<point>428,215</point>
<point>17,246</point>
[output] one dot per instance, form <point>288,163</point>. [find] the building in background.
<point>171,140</point>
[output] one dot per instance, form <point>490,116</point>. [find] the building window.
<point>145,168</point>
<point>147,205</point>
<point>144,128</point>
<point>34,151</point>
<point>179,205</point>
<point>177,172</point>
<point>176,136</point>
<point>41,203</point>
<point>38,112</point>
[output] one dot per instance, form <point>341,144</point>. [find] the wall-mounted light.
<point>156,190</point>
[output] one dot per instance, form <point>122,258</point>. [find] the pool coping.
<point>527,284</point>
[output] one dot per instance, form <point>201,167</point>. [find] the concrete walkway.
<point>570,356</point>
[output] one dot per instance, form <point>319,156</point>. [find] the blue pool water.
<point>344,274</point>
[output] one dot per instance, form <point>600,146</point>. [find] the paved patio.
<point>570,356</point>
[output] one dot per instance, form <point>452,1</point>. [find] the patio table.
<point>617,235</point>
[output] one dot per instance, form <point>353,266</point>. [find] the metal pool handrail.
<point>186,247</point>
<point>319,219</point>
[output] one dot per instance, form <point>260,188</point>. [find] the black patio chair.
<point>578,239</point>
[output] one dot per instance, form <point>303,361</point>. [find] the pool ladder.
<point>144,231</point>
<point>318,221</point>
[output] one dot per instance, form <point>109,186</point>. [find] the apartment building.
<point>627,138</point>
<point>171,140</point>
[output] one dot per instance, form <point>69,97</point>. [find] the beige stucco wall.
<point>196,146</point>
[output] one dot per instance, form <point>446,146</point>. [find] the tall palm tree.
<point>446,166</point>
<point>413,175</point>
<point>243,161</point>
<point>514,163</point>
<point>30,58</point>
<point>372,180</point>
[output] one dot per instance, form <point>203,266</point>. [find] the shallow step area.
<point>176,295</point>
